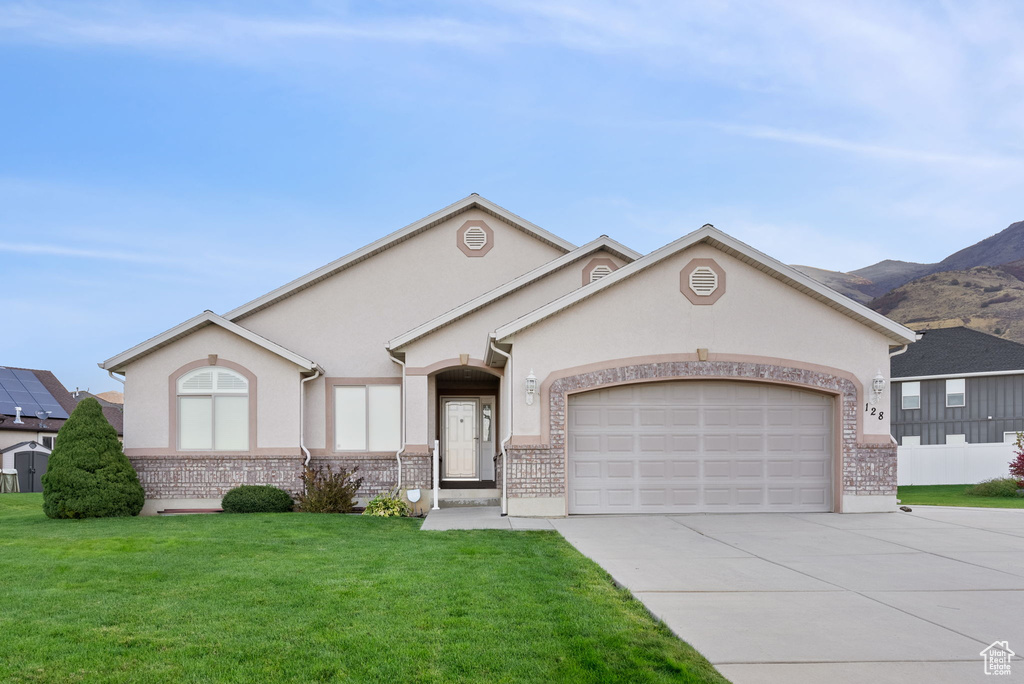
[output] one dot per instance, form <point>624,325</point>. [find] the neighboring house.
<point>704,376</point>
<point>960,393</point>
<point>33,407</point>
<point>958,385</point>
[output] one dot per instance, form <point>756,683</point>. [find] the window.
<point>955,392</point>
<point>911,395</point>
<point>367,418</point>
<point>911,440</point>
<point>956,439</point>
<point>213,410</point>
<point>48,441</point>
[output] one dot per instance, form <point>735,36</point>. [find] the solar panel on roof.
<point>22,388</point>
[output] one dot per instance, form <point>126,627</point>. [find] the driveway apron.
<point>821,597</point>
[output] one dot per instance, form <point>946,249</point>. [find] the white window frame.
<point>367,441</point>
<point>910,390</point>
<point>214,392</point>
<point>956,387</point>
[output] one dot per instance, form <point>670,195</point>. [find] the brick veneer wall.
<point>538,470</point>
<point>381,474</point>
<point>210,477</point>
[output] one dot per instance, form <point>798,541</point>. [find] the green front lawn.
<point>313,598</point>
<point>952,495</point>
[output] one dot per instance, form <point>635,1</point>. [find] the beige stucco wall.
<point>468,335</point>
<point>147,395</point>
<point>343,322</point>
<point>757,316</point>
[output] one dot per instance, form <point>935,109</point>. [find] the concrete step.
<point>467,503</point>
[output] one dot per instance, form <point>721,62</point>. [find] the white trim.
<point>947,376</point>
<point>117,363</point>
<point>465,204</point>
<point>904,395</point>
<point>733,247</point>
<point>602,243</point>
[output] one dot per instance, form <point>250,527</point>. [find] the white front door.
<point>460,439</point>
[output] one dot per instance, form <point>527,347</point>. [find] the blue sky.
<point>159,159</point>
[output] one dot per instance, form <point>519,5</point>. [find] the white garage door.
<point>697,446</point>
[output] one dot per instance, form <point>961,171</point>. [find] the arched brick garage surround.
<point>865,465</point>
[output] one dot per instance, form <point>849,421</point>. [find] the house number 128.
<point>874,411</point>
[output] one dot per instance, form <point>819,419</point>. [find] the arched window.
<point>213,410</point>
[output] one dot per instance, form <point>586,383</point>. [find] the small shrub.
<point>997,331</point>
<point>997,486</point>
<point>887,302</point>
<point>1017,464</point>
<point>387,506</point>
<point>88,475</point>
<point>326,491</point>
<point>968,283</point>
<point>993,288</point>
<point>954,281</point>
<point>257,499</point>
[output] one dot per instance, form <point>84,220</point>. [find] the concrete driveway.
<point>890,597</point>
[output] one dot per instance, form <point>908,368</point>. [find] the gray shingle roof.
<point>948,351</point>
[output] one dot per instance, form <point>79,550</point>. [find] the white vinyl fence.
<point>952,463</point>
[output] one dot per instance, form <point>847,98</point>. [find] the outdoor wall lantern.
<point>877,387</point>
<point>531,387</point>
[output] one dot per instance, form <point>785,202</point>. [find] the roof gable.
<point>950,351</point>
<point>474,201</point>
<point>603,243</point>
<point>710,235</point>
<point>117,363</point>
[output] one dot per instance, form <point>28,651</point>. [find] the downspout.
<point>508,436</point>
<point>302,413</point>
<point>401,448</point>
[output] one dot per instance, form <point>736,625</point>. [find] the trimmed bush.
<point>326,491</point>
<point>88,475</point>
<point>257,499</point>
<point>387,506</point>
<point>997,486</point>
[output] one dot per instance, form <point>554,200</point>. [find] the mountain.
<point>986,298</point>
<point>854,287</point>
<point>864,284</point>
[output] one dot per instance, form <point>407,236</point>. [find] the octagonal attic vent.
<point>475,237</point>
<point>599,272</point>
<point>703,281</point>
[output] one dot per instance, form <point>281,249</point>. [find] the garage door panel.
<point>717,443</point>
<point>733,446</point>
<point>653,443</point>
<point>582,470</point>
<point>586,444</point>
<point>617,444</point>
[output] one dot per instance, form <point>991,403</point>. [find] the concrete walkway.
<point>901,598</point>
<point>480,518</point>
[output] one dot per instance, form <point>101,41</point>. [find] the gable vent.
<point>475,238</point>
<point>600,272</point>
<point>703,281</point>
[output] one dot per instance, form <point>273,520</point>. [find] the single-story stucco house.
<point>704,376</point>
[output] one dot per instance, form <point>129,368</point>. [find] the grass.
<point>952,495</point>
<point>314,598</point>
